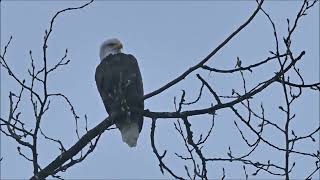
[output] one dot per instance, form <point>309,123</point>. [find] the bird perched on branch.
<point>119,82</point>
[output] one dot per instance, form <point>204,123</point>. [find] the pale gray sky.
<point>166,38</point>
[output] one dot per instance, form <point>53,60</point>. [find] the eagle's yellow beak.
<point>118,46</point>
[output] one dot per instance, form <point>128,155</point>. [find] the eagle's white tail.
<point>130,133</point>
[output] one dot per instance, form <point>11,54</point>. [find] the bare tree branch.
<point>201,63</point>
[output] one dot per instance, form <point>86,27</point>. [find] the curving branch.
<point>202,62</point>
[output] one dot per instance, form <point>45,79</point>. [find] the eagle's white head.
<point>110,46</point>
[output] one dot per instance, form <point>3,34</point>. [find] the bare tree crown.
<point>250,117</point>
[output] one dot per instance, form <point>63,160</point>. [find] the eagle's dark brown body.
<point>119,82</point>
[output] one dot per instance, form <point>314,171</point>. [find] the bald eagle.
<point>119,83</point>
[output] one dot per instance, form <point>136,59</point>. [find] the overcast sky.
<point>166,38</point>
